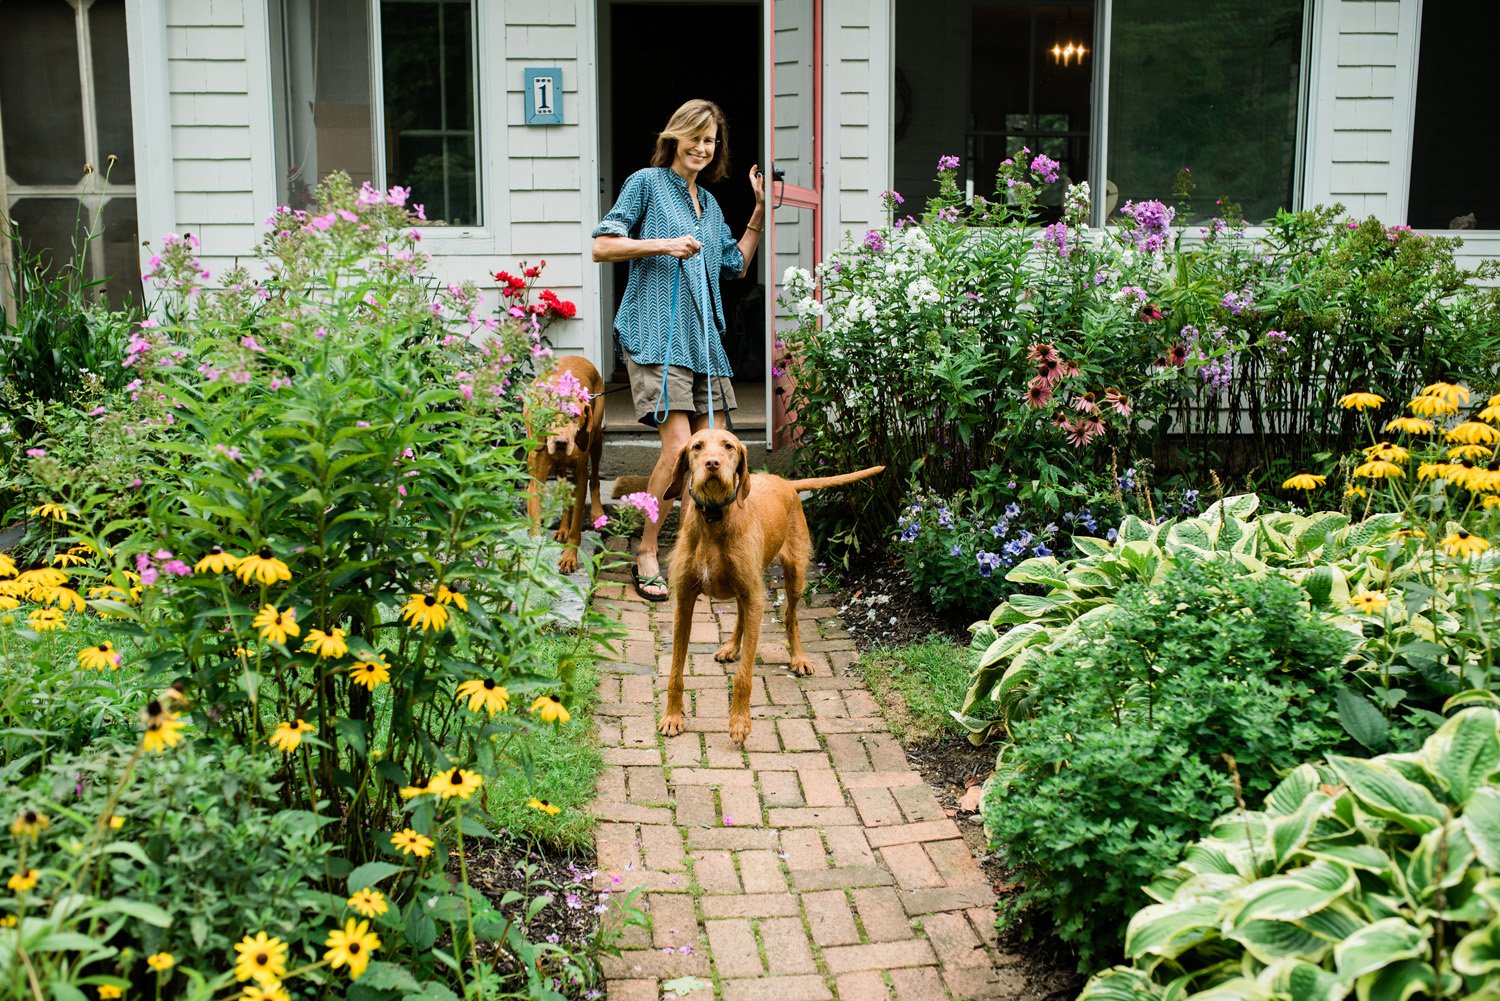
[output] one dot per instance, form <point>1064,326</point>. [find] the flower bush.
<point>327,588</point>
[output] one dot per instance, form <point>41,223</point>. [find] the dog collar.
<point>712,512</point>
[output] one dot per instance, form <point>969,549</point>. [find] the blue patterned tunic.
<point>654,204</point>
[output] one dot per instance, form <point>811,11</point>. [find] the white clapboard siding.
<point>857,148</point>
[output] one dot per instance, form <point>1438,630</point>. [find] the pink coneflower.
<point>1037,352</point>
<point>1117,401</point>
<point>1085,404</point>
<point>1038,393</point>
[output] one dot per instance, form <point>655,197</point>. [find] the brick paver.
<point>812,863</point>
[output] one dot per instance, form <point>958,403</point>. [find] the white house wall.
<point>857,146</point>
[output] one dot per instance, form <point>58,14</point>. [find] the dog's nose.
<point>711,462</point>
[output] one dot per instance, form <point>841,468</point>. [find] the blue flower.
<point>1025,538</point>
<point>1015,548</point>
<point>1042,550</point>
<point>1012,510</point>
<point>945,518</point>
<point>998,529</point>
<point>956,550</point>
<point>910,533</point>
<point>1111,535</point>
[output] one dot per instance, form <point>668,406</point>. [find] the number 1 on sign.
<point>542,93</point>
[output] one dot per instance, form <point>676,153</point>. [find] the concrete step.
<point>634,453</point>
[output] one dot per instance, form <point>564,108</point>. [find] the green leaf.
<point>1482,821</point>
<point>432,991</point>
<point>683,986</point>
<point>139,909</point>
<point>369,875</point>
<point>1043,570</point>
<point>384,976</point>
<point>1378,945</point>
<point>1168,930</point>
<point>66,992</point>
<point>1362,720</point>
<point>1306,982</point>
<point>1465,752</point>
<point>1120,983</point>
<point>1296,894</point>
<point>1398,982</point>
<point>1290,792</point>
<point>1385,793</point>
<point>1269,941</point>
<point>1478,953</point>
<point>65,941</point>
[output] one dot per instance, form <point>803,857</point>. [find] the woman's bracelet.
<point>754,229</point>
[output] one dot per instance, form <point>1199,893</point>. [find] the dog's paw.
<point>739,728</point>
<point>567,562</point>
<point>672,724</point>
<point>727,653</point>
<point>561,535</point>
<point>801,666</point>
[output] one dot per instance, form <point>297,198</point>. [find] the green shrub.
<point>1360,878</point>
<point>1121,761</point>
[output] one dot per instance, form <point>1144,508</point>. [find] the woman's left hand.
<point>758,184</point>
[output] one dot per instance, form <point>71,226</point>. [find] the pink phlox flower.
<point>251,344</point>
<point>368,195</point>
<point>644,502</point>
<point>398,195</point>
<point>323,223</point>
<point>348,216</point>
<point>601,521</point>
<point>1045,167</point>
<point>36,453</point>
<point>97,411</point>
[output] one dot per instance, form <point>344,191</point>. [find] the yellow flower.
<point>1474,433</point>
<point>23,880</point>
<point>1463,545</point>
<point>63,597</point>
<point>163,728</point>
<point>263,566</point>
<point>1471,453</point>
<point>288,736</point>
<point>458,782</point>
<point>1491,413</point>
<point>276,626</point>
<point>447,597</point>
<point>1431,406</point>
<point>329,645</point>
<point>1490,500</point>
<point>8,921</point>
<point>1369,602</point>
<point>409,842</point>
<point>217,561</point>
<point>161,962</point>
<point>544,806</point>
<point>40,578</point>
<point>262,959</point>
<point>351,945</point>
<point>44,620</point>
<point>1378,469</point>
<point>54,511</point>
<point>1304,481</point>
<point>368,902</point>
<point>412,792</point>
<point>1361,401</point>
<point>7,603</point>
<point>99,658</point>
<point>1385,450</point>
<point>1355,490</point>
<point>484,694</point>
<point>29,823</point>
<point>109,992</point>
<point>551,710</point>
<point>7,566</point>
<point>422,611</point>
<point>270,991</point>
<point>116,822</point>
<point>1447,392</point>
<point>370,673</point>
<point>68,559</point>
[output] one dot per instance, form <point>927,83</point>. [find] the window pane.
<point>120,239</point>
<point>43,137</point>
<point>50,228</point>
<point>427,61</point>
<point>1212,85</point>
<point>322,97</point>
<point>1452,167</point>
<point>112,88</point>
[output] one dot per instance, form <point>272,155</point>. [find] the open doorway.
<point>653,57</point>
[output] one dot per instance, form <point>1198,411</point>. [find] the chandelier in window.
<point>1069,53</point>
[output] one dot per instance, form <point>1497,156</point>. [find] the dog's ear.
<point>581,439</point>
<point>743,471</point>
<point>680,471</point>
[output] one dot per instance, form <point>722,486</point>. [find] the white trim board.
<point>151,113</point>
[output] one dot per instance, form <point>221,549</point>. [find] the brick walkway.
<point>814,863</point>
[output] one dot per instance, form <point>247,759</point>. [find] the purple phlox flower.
<point>947,214</point>
<point>644,502</point>
<point>1152,219</point>
<point>1045,167</point>
<point>601,521</point>
<point>947,163</point>
<point>1055,235</point>
<point>894,196</point>
<point>874,241</point>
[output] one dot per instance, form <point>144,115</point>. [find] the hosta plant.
<point>1367,878</point>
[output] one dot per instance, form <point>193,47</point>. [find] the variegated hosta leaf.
<point>1378,945</point>
<point>1464,754</point>
<point>1302,981</point>
<point>1043,570</point>
<point>1397,982</point>
<point>1292,790</point>
<point>1482,821</point>
<point>1120,983</point>
<point>1168,930</point>
<point>1439,861</point>
<point>1296,894</point>
<point>1478,953</point>
<point>1272,941</point>
<point>1384,792</point>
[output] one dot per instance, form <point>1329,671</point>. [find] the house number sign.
<point>544,96</point>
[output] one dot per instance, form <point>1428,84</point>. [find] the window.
<point>403,112</point>
<point>68,183</point>
<point>1211,85</point>
<point>1453,150</point>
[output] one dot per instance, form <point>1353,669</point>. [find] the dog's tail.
<point>820,482</point>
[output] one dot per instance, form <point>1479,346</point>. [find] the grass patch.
<point>917,685</point>
<point>564,761</point>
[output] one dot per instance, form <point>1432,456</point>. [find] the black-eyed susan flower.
<point>116,822</point>
<point>1447,392</point>
<point>458,782</point>
<point>163,728</point>
<point>409,842</point>
<point>413,791</point>
<point>270,991</point>
<point>368,902</point>
<point>1378,469</point>
<point>109,992</point>
<point>483,693</point>
<point>544,806</point>
<point>1470,453</point>
<point>8,921</point>
<point>1491,411</point>
<point>1385,450</point>
<point>550,710</point>
<point>65,598</point>
<point>161,962</point>
<point>422,611</point>
<point>1431,406</point>
<point>288,736</point>
<point>370,673</point>
<point>351,946</point>
<point>276,626</point>
<point>1304,481</point>
<point>45,620</point>
<point>1369,602</point>
<point>217,561</point>
<point>262,959</point>
<point>99,658</point>
<point>1356,491</point>
<point>23,880</point>
<point>1361,401</point>
<point>54,511</point>
<point>329,645</point>
<point>1462,545</point>
<point>447,597</point>
<point>67,559</point>
<point>1473,433</point>
<point>29,823</point>
<point>7,566</point>
<point>262,566</point>
<point>1410,425</point>
<point>40,578</point>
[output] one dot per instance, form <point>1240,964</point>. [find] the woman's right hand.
<point>682,247</point>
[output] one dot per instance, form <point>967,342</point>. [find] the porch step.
<point>634,452</point>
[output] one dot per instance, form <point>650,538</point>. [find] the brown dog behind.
<point>572,444</point>
<point>734,524</point>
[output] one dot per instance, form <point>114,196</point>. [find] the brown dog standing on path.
<point>573,443</point>
<point>734,523</point>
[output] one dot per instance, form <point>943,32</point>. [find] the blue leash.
<point>662,409</point>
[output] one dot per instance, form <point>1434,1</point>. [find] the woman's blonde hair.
<point>686,123</point>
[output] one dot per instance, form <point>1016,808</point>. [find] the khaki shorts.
<point>682,384</point>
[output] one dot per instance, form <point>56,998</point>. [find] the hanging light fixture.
<point>1065,51</point>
